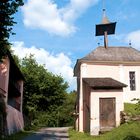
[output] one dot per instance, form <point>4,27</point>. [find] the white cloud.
<point>119,37</point>
<point>45,15</point>
<point>134,37</point>
<point>125,15</point>
<point>59,64</point>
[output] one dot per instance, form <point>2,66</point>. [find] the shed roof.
<point>104,83</point>
<point>113,54</point>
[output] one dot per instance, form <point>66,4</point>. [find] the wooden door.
<point>107,113</point>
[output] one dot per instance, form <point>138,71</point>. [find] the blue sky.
<point>58,32</point>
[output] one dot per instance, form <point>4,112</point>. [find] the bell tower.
<point>105,28</point>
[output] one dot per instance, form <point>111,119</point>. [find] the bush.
<point>45,119</point>
<point>131,109</point>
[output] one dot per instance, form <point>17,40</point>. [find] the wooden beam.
<point>105,40</point>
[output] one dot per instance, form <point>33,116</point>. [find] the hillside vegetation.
<point>127,131</point>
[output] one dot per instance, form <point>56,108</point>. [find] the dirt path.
<point>57,133</point>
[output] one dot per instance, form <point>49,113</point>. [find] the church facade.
<point>106,78</point>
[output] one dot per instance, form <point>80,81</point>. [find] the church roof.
<point>104,83</point>
<point>110,55</point>
<point>113,54</point>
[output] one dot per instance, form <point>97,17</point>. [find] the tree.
<point>43,91</point>
<point>7,9</point>
<point>65,112</point>
<point>61,116</point>
<point>46,101</point>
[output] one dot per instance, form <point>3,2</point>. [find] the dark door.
<point>107,113</point>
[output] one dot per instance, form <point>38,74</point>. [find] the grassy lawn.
<point>22,134</point>
<point>18,136</point>
<point>129,131</point>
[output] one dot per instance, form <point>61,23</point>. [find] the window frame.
<point>132,80</point>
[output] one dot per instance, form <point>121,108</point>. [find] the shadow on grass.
<point>17,136</point>
<point>131,138</point>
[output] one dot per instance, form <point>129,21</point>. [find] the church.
<point>106,79</point>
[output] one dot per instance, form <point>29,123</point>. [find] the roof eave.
<point>76,67</point>
<point>108,87</point>
<point>111,62</point>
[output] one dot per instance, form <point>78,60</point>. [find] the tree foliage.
<point>7,9</point>
<point>46,101</point>
<point>43,91</point>
<point>65,112</point>
<point>61,116</point>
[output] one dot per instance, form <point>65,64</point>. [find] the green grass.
<point>22,134</point>
<point>131,109</point>
<point>127,131</point>
<point>18,136</point>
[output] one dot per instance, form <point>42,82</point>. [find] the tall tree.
<point>7,9</point>
<point>46,100</point>
<point>43,91</point>
<point>65,112</point>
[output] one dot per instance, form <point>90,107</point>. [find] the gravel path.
<point>57,133</point>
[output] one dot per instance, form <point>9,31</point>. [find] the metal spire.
<point>105,28</point>
<point>104,19</point>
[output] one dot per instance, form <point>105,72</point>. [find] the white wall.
<point>94,116</point>
<point>83,72</point>
<point>128,94</point>
<point>117,72</point>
